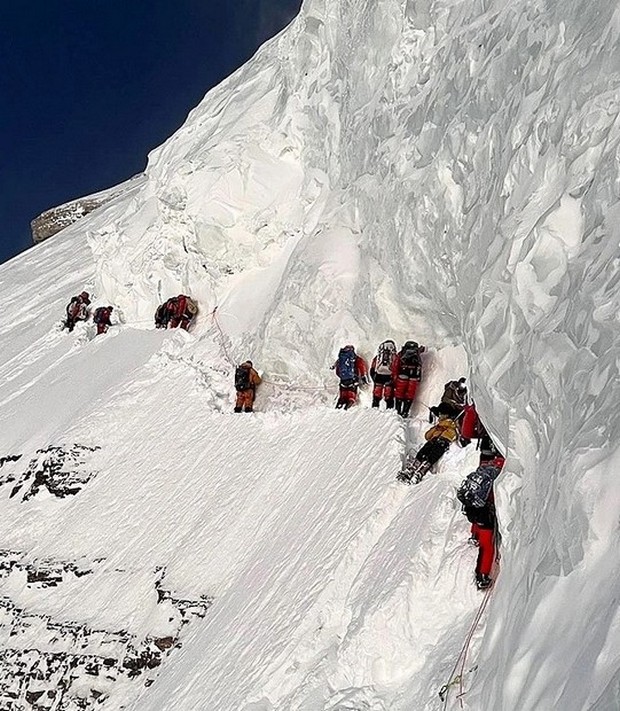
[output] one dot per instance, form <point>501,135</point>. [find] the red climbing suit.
<point>486,548</point>
<point>348,392</point>
<point>405,379</point>
<point>102,318</point>
<point>383,385</point>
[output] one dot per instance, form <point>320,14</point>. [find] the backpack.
<point>102,314</point>
<point>346,364</point>
<point>171,306</point>
<point>385,357</point>
<point>410,361</point>
<point>475,489</point>
<point>242,378</point>
<point>74,307</point>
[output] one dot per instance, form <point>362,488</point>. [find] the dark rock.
<point>61,471</point>
<point>33,696</point>
<point>164,643</point>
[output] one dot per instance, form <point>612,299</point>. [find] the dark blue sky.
<point>89,87</point>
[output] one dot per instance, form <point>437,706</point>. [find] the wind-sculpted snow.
<point>437,170</point>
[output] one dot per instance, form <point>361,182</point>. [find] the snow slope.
<point>442,171</point>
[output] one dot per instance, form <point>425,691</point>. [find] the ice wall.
<point>449,170</point>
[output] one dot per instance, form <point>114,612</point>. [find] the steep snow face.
<point>443,171</point>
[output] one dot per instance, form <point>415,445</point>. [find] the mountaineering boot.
<point>413,472</point>
<point>406,407</point>
<point>483,582</point>
<point>420,471</point>
<point>389,403</point>
<point>404,476</point>
<point>375,401</point>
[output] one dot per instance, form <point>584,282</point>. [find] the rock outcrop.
<point>55,219</point>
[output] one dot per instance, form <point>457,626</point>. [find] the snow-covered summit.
<point>434,170</point>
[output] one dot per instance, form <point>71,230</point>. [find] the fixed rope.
<point>222,338</point>
<point>283,386</point>
<point>458,671</point>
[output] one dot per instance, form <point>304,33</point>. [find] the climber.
<point>438,440</point>
<point>182,312</point>
<point>476,496</point>
<point>102,318</point>
<point>406,375</point>
<point>246,382</point>
<point>454,398</point>
<point>381,374</point>
<point>77,310</point>
<point>352,370</point>
<point>472,428</point>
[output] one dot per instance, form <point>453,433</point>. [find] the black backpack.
<point>475,489</point>
<point>410,361</point>
<point>100,315</point>
<point>242,378</point>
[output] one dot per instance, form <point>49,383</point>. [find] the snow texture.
<point>448,172</point>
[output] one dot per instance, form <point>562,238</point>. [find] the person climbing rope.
<point>101,317</point>
<point>381,374</point>
<point>77,310</point>
<point>352,370</point>
<point>246,382</point>
<point>476,497</point>
<point>406,376</point>
<point>438,441</point>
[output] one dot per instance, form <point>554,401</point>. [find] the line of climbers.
<point>77,310</point>
<point>395,376</point>
<point>177,312</point>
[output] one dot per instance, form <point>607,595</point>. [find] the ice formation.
<point>390,168</point>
